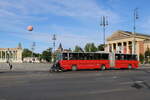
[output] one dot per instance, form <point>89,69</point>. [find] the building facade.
<point>122,42</point>
<point>11,55</point>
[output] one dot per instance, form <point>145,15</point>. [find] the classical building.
<point>11,54</point>
<point>122,42</point>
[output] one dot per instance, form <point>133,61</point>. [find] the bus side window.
<point>70,56</point>
<point>134,57</point>
<point>74,56</point>
<point>90,56</point>
<point>122,57</point>
<point>118,57</point>
<point>86,56</point>
<point>96,56</point>
<point>81,56</point>
<point>105,56</point>
<point>65,56</point>
<point>99,57</point>
<point>125,57</point>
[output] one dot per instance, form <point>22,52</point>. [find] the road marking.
<point>109,91</point>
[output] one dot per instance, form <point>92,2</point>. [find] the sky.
<point>75,22</point>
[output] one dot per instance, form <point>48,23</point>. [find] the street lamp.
<point>33,48</point>
<point>104,23</point>
<point>135,15</point>
<point>54,40</point>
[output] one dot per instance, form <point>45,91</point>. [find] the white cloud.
<point>15,14</point>
<point>73,8</point>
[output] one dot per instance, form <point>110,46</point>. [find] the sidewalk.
<point>25,67</point>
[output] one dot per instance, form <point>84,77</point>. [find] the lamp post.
<point>135,15</point>
<point>54,40</point>
<point>33,48</point>
<point>104,24</point>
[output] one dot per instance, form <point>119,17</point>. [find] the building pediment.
<point>119,35</point>
<point>125,34</point>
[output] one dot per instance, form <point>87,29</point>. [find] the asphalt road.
<point>79,85</point>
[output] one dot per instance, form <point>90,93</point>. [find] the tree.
<point>26,53</point>
<point>78,49</point>
<point>47,55</point>
<point>141,58</point>
<point>90,47</point>
<point>147,55</point>
<point>100,47</point>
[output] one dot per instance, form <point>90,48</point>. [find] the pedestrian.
<point>10,65</point>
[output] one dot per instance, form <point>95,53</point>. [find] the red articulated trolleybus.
<point>94,60</point>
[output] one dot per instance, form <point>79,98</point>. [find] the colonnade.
<point>120,47</point>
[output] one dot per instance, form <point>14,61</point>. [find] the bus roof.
<point>98,52</point>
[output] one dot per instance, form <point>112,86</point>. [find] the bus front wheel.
<point>103,67</point>
<point>74,68</point>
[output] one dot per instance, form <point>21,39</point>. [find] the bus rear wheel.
<point>129,66</point>
<point>74,68</point>
<point>103,67</point>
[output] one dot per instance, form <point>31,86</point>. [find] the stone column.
<point>122,47</point>
<point>16,55</point>
<point>127,47</point>
<point>108,47</point>
<point>12,56</point>
<point>5,56</point>
<point>1,55</point>
<point>112,47</point>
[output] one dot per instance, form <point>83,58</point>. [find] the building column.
<point>13,56</point>
<point>122,47</point>
<point>127,46</point>
<point>16,55</point>
<point>116,47</point>
<point>5,56</point>
<point>1,55</point>
<point>112,49</point>
<point>108,47</point>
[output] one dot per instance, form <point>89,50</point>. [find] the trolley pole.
<point>104,24</point>
<point>135,15</point>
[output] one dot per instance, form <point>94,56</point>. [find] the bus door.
<point>112,59</point>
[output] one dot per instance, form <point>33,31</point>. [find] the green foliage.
<point>26,53</point>
<point>141,58</point>
<point>78,49</point>
<point>90,47</point>
<point>47,55</point>
<point>100,47</point>
<point>147,55</point>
